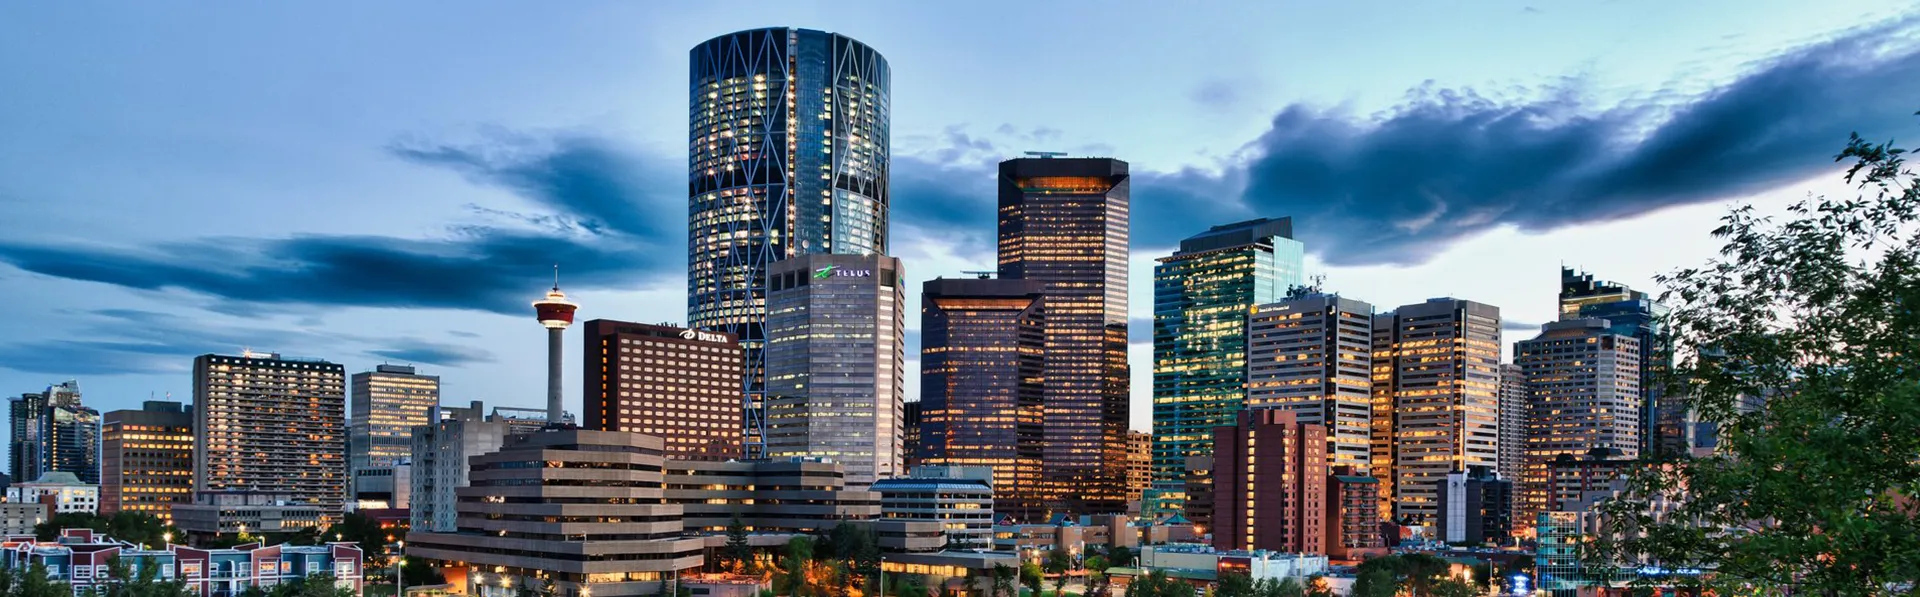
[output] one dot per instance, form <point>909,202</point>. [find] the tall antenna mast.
<point>556,276</point>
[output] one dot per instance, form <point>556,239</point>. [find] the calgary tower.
<point>556,313</point>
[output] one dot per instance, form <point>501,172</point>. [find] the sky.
<point>372,182</point>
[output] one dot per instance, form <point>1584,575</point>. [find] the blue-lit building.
<point>1201,297</point>
<point>82,559</point>
<point>1665,423</point>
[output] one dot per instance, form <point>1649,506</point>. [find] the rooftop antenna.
<point>1046,154</point>
<point>556,276</point>
<point>981,274</point>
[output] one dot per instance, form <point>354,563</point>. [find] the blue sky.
<point>369,182</point>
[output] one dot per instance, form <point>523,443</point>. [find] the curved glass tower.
<point>788,155</point>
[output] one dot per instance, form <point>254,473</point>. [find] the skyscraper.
<point>836,362</point>
<point>1313,356</point>
<point>981,358</point>
<point>1064,223</point>
<point>1201,296</point>
<point>1438,363</point>
<point>53,432</point>
<point>1583,386</point>
<point>1513,420</point>
<point>271,425</point>
<point>678,384</point>
<point>788,138</point>
<point>1665,423</point>
<point>1270,476</point>
<point>388,402</point>
<point>146,462</point>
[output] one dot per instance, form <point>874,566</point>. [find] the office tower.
<point>53,432</point>
<point>1353,515</point>
<point>1064,223</point>
<point>1666,423</point>
<point>1579,483</point>
<point>146,462</point>
<point>271,425</point>
<point>678,384</point>
<point>1475,507</point>
<point>1438,363</point>
<point>981,360</point>
<point>23,443</point>
<point>1513,420</point>
<point>516,524</point>
<point>1270,483</point>
<point>836,362</point>
<point>799,496</point>
<point>1583,386</point>
<point>1313,355</point>
<point>960,498</point>
<point>1139,465</point>
<point>387,403</point>
<point>788,134</point>
<point>1201,296</point>
<point>441,451</point>
<point>910,417</point>
<point>555,313</point>
<point>1198,487</point>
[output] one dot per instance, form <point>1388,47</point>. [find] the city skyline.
<point>122,303</point>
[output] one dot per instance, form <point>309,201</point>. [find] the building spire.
<point>556,276</point>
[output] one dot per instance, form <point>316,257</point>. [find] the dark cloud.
<point>134,341</point>
<point>1526,328</point>
<point>1217,94</point>
<point>433,353</point>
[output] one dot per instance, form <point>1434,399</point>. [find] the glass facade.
<point>1201,297</point>
<point>388,403</point>
<point>981,361</point>
<point>53,432</point>
<point>1064,222</point>
<point>787,155</point>
<point>1436,380</point>
<point>836,363</point>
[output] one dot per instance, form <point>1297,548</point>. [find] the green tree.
<point>1030,577</point>
<point>1452,588</point>
<point>36,583</point>
<point>738,553</point>
<point>419,572</point>
<point>1798,342</point>
<point>1120,556</point>
<point>1374,582</point>
<point>1319,587</point>
<point>127,580</point>
<point>1234,584</point>
<point>1003,581</point>
<point>1096,572</point>
<point>1058,562</point>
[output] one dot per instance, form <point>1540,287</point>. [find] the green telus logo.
<point>825,272</point>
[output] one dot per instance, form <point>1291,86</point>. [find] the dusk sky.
<point>372,182</point>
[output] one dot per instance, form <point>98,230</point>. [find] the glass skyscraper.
<point>982,346</point>
<point>787,139</point>
<point>1201,297</point>
<point>836,362</point>
<point>53,432</point>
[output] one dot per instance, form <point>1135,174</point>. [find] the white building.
<point>960,498</point>
<point>69,494</point>
<point>1257,564</point>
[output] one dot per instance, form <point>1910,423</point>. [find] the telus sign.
<point>835,271</point>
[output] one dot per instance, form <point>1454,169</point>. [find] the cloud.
<point>135,341</point>
<point>1217,94</point>
<point>433,353</point>
<point>1519,327</point>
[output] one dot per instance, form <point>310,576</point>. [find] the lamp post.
<point>399,580</point>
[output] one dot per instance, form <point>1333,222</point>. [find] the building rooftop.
<point>56,478</point>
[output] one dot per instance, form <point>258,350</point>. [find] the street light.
<point>399,579</point>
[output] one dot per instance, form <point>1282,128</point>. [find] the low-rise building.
<point>786,495</point>
<point>1353,516</point>
<point>63,491</point>
<point>1475,507</point>
<point>951,570</point>
<point>216,513</point>
<point>959,498</point>
<point>19,519</point>
<point>82,559</point>
<point>1202,565</point>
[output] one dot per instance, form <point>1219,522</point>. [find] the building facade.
<point>83,560</point>
<point>1353,515</point>
<point>64,492</point>
<point>146,463</point>
<point>910,417</point>
<point>836,362</point>
<point>982,354</point>
<point>678,384</point>
<point>387,403</point>
<point>215,513</point>
<point>1476,507</point>
<point>799,496</point>
<point>1065,223</point>
<point>1201,296</point>
<point>20,519</point>
<point>1139,467</point>
<point>1198,487</point>
<point>1313,355</point>
<point>1270,484</point>
<point>1583,384</point>
<point>1437,364</point>
<point>788,136</point>
<point>54,432</point>
<point>960,498</point>
<point>441,452</point>
<point>271,425</point>
<point>1513,420</point>
<point>1667,424</point>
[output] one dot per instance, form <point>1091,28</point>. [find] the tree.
<point>1120,557</point>
<point>1058,562</point>
<point>1003,578</point>
<point>1030,577</point>
<point>1374,582</point>
<point>1452,588</point>
<point>1319,587</point>
<point>36,583</point>
<point>738,553</point>
<point>1096,572</point>
<point>419,572</point>
<point>1234,584</point>
<point>1798,342</point>
<point>144,580</point>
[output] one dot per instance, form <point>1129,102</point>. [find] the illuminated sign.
<point>835,271</point>
<point>701,336</point>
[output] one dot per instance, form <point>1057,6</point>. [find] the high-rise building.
<point>53,432</point>
<point>1666,422</point>
<point>1198,487</point>
<point>836,362</point>
<point>441,451</point>
<point>910,417</point>
<point>1270,484</point>
<point>388,402</point>
<point>1438,365</point>
<point>23,443</point>
<point>1313,355</point>
<point>678,384</point>
<point>1476,507</point>
<point>1583,384</point>
<point>789,135</point>
<point>1139,464</point>
<point>1064,223</point>
<point>982,345</point>
<point>146,462</point>
<point>1513,420</point>
<point>271,425</point>
<point>1201,296</point>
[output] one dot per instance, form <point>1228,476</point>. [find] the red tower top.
<point>555,311</point>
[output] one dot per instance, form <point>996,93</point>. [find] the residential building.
<point>982,344</point>
<point>1139,465</point>
<point>64,492</point>
<point>960,498</point>
<point>53,432</point>
<point>1476,507</point>
<point>1064,222</point>
<point>271,425</point>
<point>789,132</point>
<point>1583,383</point>
<point>21,518</point>
<point>1270,483</point>
<point>442,450</point>
<point>1353,515</point>
<point>1666,423</point>
<point>795,496</point>
<point>1313,355</point>
<point>515,523</point>
<point>388,402</point>
<point>82,559</point>
<point>1437,366</point>
<point>678,384</point>
<point>836,362</point>
<point>146,462</point>
<point>215,513</point>
<point>1513,420</point>
<point>1201,296</point>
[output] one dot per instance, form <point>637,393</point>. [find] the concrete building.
<point>1201,296</point>
<point>1476,508</point>
<point>960,498</point>
<point>1270,487</point>
<point>982,344</point>
<point>1201,566</point>
<point>1437,367</point>
<point>271,425</point>
<point>82,559</point>
<point>1199,491</point>
<point>1353,515</point>
<point>1064,222</point>
<point>678,384</point>
<point>215,513</point>
<point>1139,468</point>
<point>1583,385</point>
<point>388,402</point>
<point>54,432</point>
<point>966,573</point>
<point>1313,355</point>
<point>793,496</point>
<point>1513,420</point>
<point>1666,423</point>
<point>442,450</point>
<point>20,519</point>
<point>64,492</point>
<point>573,507</point>
<point>146,462</point>
<point>836,362</point>
<point>1577,484</point>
